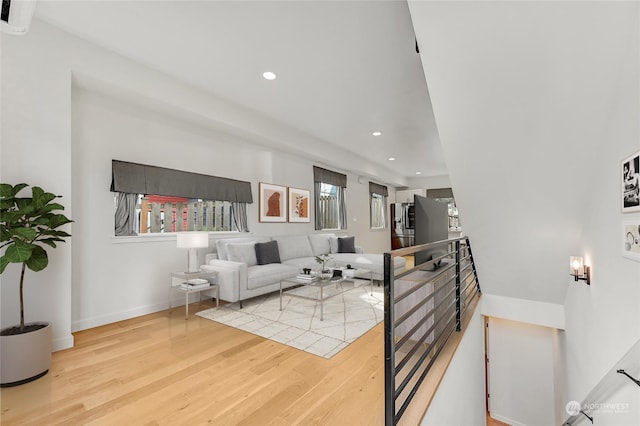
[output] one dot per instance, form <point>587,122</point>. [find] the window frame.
<point>339,181</point>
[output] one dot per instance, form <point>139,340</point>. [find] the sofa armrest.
<point>209,257</point>
<point>231,277</point>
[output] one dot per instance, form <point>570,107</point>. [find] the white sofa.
<point>241,278</point>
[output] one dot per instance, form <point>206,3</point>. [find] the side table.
<point>179,281</point>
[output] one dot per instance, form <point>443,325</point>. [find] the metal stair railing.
<point>423,307</point>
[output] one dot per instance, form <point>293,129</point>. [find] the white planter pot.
<point>25,357</point>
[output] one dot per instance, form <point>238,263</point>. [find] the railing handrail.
<point>413,249</point>
<point>608,384</point>
<point>424,313</point>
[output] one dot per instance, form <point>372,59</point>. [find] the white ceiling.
<point>345,68</point>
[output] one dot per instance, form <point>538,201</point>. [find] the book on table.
<point>306,277</point>
<point>195,284</point>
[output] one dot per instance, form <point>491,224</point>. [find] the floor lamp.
<point>192,241</point>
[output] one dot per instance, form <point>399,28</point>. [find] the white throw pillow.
<point>243,252</point>
<point>320,243</point>
<point>333,243</point>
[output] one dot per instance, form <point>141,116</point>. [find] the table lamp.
<point>192,241</point>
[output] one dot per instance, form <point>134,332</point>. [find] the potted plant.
<point>322,259</point>
<point>27,225</point>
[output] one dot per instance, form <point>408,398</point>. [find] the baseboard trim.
<point>61,343</point>
<point>98,321</point>
<point>506,420</point>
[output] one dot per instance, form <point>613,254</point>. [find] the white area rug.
<point>347,316</point>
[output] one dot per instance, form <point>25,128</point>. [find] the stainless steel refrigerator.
<point>402,225</point>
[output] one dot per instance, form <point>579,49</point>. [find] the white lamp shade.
<point>192,240</point>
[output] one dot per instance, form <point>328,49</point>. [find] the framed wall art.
<point>630,183</point>
<point>273,202</point>
<point>299,205</point>
<point>631,239</point>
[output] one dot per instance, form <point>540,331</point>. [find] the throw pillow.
<point>242,252</point>
<point>267,253</point>
<point>333,243</point>
<point>347,245</point>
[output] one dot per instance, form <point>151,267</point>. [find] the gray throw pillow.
<point>347,245</point>
<point>267,253</point>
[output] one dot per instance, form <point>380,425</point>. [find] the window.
<point>329,199</point>
<point>378,209</point>
<point>184,201</point>
<point>175,214</point>
<point>329,210</point>
<point>378,205</point>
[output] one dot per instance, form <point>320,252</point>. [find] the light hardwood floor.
<point>161,369</point>
<point>493,422</point>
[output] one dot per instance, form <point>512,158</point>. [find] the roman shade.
<point>330,177</point>
<point>375,188</point>
<point>440,193</point>
<point>136,178</point>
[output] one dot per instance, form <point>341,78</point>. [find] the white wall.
<point>606,315</point>
<point>521,373</point>
<point>67,147</point>
<point>460,399</point>
<point>35,149</point>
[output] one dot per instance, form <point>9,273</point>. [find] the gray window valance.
<point>375,188</point>
<point>330,177</point>
<point>440,193</point>
<point>142,179</point>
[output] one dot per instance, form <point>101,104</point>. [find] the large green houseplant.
<point>27,225</point>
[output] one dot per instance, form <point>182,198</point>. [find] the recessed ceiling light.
<point>418,173</point>
<point>268,75</point>
<point>392,159</point>
<point>376,133</point>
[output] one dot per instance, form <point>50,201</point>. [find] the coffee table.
<point>322,289</point>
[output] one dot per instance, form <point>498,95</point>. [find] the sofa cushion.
<point>347,245</point>
<point>242,252</point>
<point>267,253</point>
<point>221,244</point>
<point>320,243</point>
<point>293,246</point>
<point>263,275</point>
<point>373,262</point>
<point>302,262</point>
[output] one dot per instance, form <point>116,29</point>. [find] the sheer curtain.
<point>125,217</point>
<point>240,216</point>
<point>317,189</point>
<point>342,209</point>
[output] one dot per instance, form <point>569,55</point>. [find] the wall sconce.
<point>579,270</point>
<point>192,241</point>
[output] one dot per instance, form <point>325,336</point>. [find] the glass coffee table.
<point>319,289</point>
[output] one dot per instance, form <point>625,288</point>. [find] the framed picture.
<point>631,239</point>
<point>630,183</point>
<point>299,205</point>
<point>273,202</point>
